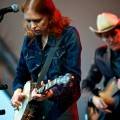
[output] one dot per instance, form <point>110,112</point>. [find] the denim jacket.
<point>67,59</point>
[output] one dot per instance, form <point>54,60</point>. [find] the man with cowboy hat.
<point>106,67</point>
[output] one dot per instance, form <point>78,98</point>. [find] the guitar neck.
<point>60,80</point>
<point>47,86</point>
<point>112,89</point>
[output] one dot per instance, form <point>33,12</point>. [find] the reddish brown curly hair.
<point>57,22</point>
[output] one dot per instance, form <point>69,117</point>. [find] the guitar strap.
<point>48,61</point>
<point>45,105</point>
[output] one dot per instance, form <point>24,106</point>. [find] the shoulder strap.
<point>47,62</point>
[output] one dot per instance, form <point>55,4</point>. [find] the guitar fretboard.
<point>47,86</point>
<point>60,80</point>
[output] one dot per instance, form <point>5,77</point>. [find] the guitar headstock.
<point>64,79</point>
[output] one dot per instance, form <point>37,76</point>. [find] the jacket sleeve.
<point>22,73</point>
<point>88,84</point>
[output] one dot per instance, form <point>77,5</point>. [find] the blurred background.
<point>83,14</point>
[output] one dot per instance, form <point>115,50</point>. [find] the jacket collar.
<point>52,40</point>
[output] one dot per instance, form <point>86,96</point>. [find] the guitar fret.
<point>40,90</point>
<point>59,80</point>
<point>47,86</point>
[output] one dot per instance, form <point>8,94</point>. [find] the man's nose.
<point>110,39</point>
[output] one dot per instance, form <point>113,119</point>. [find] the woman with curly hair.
<point>45,26</point>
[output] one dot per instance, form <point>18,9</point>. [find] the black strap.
<point>47,62</point>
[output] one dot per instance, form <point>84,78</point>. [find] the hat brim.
<point>100,32</point>
<point>105,30</point>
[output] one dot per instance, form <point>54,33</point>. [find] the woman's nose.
<point>33,25</point>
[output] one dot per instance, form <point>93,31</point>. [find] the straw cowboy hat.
<point>105,22</point>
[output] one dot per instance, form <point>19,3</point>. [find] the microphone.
<point>12,8</point>
<point>3,87</point>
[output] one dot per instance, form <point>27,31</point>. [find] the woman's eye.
<point>28,21</point>
<point>36,21</point>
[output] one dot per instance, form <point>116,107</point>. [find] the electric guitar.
<point>107,95</point>
<point>21,112</point>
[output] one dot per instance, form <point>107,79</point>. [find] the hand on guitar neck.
<point>40,97</point>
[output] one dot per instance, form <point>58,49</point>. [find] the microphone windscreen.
<point>15,7</point>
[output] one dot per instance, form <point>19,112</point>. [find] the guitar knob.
<point>43,117</point>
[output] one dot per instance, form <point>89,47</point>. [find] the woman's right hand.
<point>17,98</point>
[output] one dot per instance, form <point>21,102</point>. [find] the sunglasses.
<point>111,33</point>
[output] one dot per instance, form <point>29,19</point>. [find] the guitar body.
<point>107,96</point>
<point>93,113</point>
<point>18,113</point>
<point>26,110</point>
<point>108,92</point>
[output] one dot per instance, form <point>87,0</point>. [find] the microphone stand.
<point>2,112</point>
<point>3,87</point>
<point>1,17</point>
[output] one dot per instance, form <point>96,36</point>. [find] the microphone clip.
<point>3,87</point>
<point>1,17</point>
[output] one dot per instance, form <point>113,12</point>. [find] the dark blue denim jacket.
<point>67,59</point>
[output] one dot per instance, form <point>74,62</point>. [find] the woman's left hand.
<point>41,97</point>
